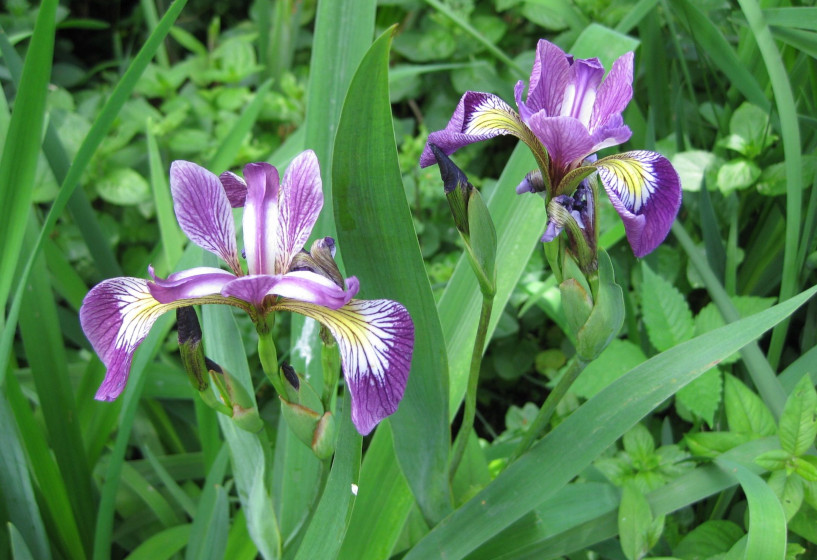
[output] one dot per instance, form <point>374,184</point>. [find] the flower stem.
<point>473,380</point>
<point>551,402</point>
<point>269,360</point>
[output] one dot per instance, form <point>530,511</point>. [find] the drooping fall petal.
<point>478,116</point>
<point>646,192</point>
<point>203,210</point>
<point>116,316</point>
<point>376,340</point>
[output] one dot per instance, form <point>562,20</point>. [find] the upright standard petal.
<point>478,116</point>
<point>376,340</point>
<point>580,93</point>
<point>116,316</point>
<point>235,187</point>
<point>203,211</point>
<point>614,93</point>
<point>547,82</point>
<point>261,217</point>
<point>646,191</point>
<point>300,202</point>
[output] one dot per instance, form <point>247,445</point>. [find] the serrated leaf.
<point>665,311</point>
<point>702,396</point>
<point>634,522</point>
<point>798,423</point>
<point>745,411</point>
<point>707,539</point>
<point>709,318</point>
<point>789,490</point>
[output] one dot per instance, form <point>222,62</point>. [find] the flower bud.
<point>458,190</point>
<point>593,305</point>
<point>323,438</point>
<point>190,348</point>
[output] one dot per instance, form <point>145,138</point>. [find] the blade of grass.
<point>18,494</point>
<point>18,162</point>
<point>802,17</point>
<point>171,235</point>
<point>45,352</point>
<point>208,535</point>
<point>790,132</point>
<point>46,473</point>
<point>162,545</point>
<point>635,15</point>
<point>98,131</point>
<point>599,423</point>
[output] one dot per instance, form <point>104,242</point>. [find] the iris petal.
<point>478,116</point>
<point>566,139</point>
<point>261,217</point>
<point>646,192</point>
<point>376,341</point>
<point>614,93</point>
<point>235,187</point>
<point>203,210</point>
<point>303,286</point>
<point>300,202</point>
<point>193,283</point>
<point>548,80</point>
<point>116,316</point>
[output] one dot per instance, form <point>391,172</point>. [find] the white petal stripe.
<point>633,178</point>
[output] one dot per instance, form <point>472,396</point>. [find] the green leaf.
<point>382,505</point>
<point>691,167</point>
<point>767,521</point>
<point>19,548</point>
<point>806,467</point>
<point>798,423</point>
<point>736,175</point>
<point>618,358</point>
<point>123,186</point>
<point>162,545</point>
<point>208,535</point>
<point>325,534</point>
<point>789,490</point>
<point>712,444</point>
<point>371,211</point>
<point>665,311</point>
<point>604,43</point>
<point>634,521</point>
<point>703,396</point>
<point>21,149</point>
<point>599,423</point>
<point>751,124</point>
<point>773,460</point>
<point>638,444</point>
<point>745,411</point>
<point>710,318</point>
<point>708,539</point>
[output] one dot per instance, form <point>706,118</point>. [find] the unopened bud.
<point>457,189</point>
<point>323,438</point>
<point>190,348</point>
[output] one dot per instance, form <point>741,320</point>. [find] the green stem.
<point>269,359</point>
<point>549,407</point>
<point>473,380</point>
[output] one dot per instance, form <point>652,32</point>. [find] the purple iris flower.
<point>375,337</point>
<point>570,113</point>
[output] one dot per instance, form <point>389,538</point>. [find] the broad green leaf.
<point>691,167</point>
<point>767,520</point>
<point>124,187</point>
<point>21,149</point>
<point>371,211</point>
<point>665,311</point>
<point>798,423</point>
<point>634,520</point>
<point>382,505</point>
<point>745,411</point>
<point>325,534</point>
<point>702,397</point>
<point>599,423</point>
<point>708,539</point>
<point>19,548</point>
<point>789,490</point>
<point>712,444</point>
<point>736,175</point>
